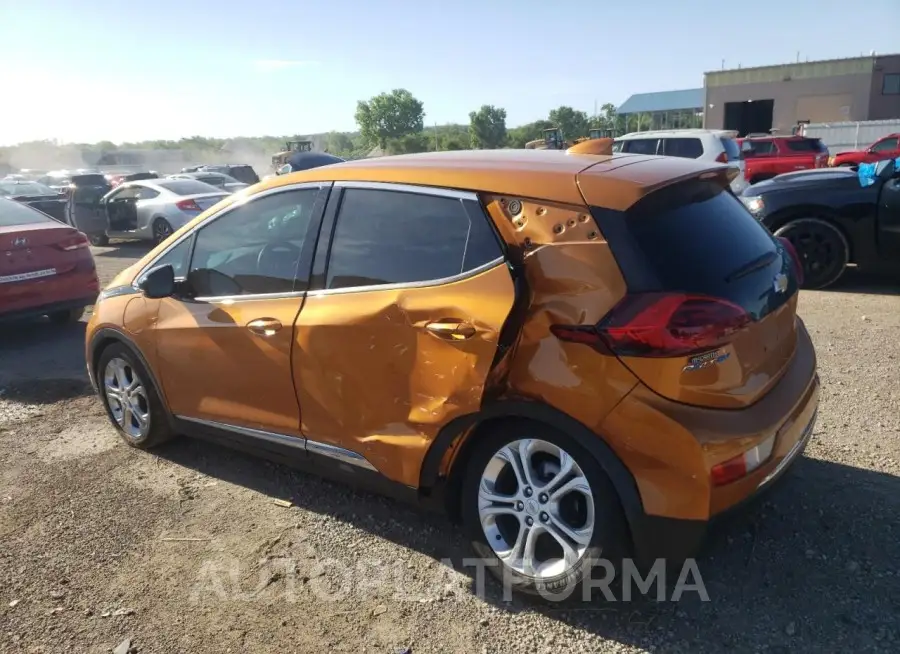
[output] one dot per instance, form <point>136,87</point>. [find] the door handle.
<point>264,326</point>
<point>451,330</point>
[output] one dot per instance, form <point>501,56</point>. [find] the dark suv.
<point>241,172</point>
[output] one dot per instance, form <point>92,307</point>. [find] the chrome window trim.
<point>230,299</point>
<point>410,188</point>
<point>240,202</point>
<point>300,442</point>
<point>408,285</point>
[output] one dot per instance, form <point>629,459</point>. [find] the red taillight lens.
<point>722,158</point>
<point>661,325</point>
<point>729,471</point>
<point>795,258</point>
<point>75,242</point>
<point>188,205</point>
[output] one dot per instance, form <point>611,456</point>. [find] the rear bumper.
<point>44,309</point>
<point>669,448</point>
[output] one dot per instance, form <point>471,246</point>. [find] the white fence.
<point>844,136</point>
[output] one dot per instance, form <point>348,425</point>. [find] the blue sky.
<point>92,69</point>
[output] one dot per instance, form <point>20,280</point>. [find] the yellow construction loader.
<point>281,158</point>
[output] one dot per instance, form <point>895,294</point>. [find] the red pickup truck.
<point>768,156</point>
<point>887,147</point>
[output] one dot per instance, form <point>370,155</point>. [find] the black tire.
<point>66,317</point>
<point>99,240</point>
<point>609,540</point>
<point>161,230</point>
<point>158,430</point>
<point>823,250</point>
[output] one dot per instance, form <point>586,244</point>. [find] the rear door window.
<point>393,237</point>
<point>641,146</point>
<point>687,148</point>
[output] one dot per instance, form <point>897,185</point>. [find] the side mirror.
<point>158,283</point>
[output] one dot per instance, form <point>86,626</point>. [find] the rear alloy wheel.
<point>541,511</point>
<point>161,230</point>
<point>131,400</point>
<point>823,250</point>
<point>66,317</point>
<point>100,240</point>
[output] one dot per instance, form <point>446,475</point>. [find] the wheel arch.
<point>459,436</point>
<point>815,212</point>
<point>107,336</point>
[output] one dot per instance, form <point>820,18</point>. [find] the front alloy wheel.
<point>536,508</point>
<point>127,399</point>
<point>161,230</point>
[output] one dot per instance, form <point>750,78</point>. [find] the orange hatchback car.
<point>579,356</point>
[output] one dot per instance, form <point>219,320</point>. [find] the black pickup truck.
<point>834,217</point>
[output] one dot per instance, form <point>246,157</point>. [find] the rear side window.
<point>695,237</point>
<point>759,148</point>
<point>686,148</point>
<point>12,214</point>
<point>187,187</point>
<point>394,237</point>
<point>731,148</point>
<point>805,145</point>
<point>640,146</point>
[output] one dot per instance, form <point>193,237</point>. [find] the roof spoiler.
<point>592,146</point>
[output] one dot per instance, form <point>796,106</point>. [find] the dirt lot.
<point>187,550</point>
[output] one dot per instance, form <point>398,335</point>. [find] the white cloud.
<point>269,65</point>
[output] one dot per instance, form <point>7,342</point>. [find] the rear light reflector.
<point>795,258</point>
<point>188,205</point>
<point>76,242</point>
<point>722,158</point>
<point>742,465</point>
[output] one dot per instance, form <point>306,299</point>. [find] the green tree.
<point>487,127</point>
<point>389,116</point>
<point>338,143</point>
<point>409,143</point>
<point>572,122</point>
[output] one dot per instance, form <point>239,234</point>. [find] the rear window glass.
<point>758,148</point>
<point>695,235</point>
<point>12,214</point>
<point>187,187</point>
<point>805,145</point>
<point>686,148</point>
<point>731,149</point>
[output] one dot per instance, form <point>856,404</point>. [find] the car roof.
<point>657,133</point>
<point>613,181</point>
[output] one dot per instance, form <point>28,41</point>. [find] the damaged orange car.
<point>578,355</point>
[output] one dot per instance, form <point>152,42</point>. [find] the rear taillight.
<point>795,258</point>
<point>188,205</point>
<point>722,158</point>
<point>76,242</point>
<point>661,325</point>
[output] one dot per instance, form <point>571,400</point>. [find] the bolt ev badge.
<point>20,242</point>
<point>705,360</point>
<point>780,283</point>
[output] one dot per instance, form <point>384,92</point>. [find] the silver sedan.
<point>151,209</point>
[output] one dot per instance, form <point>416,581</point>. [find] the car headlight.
<point>754,204</point>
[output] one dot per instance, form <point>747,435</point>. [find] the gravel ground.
<point>193,550</point>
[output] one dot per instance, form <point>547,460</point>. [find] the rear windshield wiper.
<point>752,266</point>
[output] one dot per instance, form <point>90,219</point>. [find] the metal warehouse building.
<point>663,110</point>
<point>778,97</point>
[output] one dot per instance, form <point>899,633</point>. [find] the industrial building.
<point>779,97</point>
<point>663,110</point>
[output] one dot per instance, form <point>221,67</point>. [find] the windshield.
<point>13,213</point>
<point>25,188</point>
<point>187,187</point>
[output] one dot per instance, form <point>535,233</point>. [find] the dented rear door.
<point>400,331</point>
